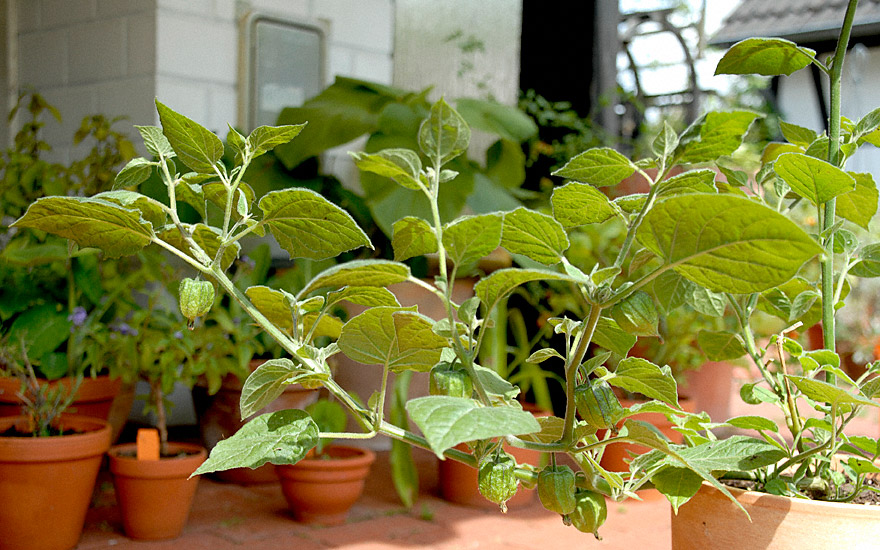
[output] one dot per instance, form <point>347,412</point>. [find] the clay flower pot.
<point>220,416</point>
<point>46,483</point>
<point>711,521</point>
<point>155,496</point>
<point>93,398</point>
<point>320,489</point>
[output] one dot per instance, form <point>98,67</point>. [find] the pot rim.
<point>168,467</point>
<point>359,457</point>
<point>92,389</point>
<point>92,440</point>
<point>766,500</point>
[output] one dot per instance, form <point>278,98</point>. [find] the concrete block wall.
<point>197,45</point>
<point>85,57</point>
<point>116,56</point>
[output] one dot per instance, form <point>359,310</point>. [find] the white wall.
<point>85,57</point>
<point>116,56</point>
<point>861,94</point>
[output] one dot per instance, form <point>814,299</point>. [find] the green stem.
<point>571,367</point>
<point>290,346</point>
<point>827,262</point>
<point>465,356</point>
<point>634,226</point>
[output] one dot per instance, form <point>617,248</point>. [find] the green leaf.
<point>811,178</point>
<point>869,264</point>
<point>359,273</point>
<point>497,286</point>
<point>505,121</point>
<point>87,221</point>
<point>496,386</point>
<point>155,141</point>
<point>576,204</point>
<point>610,336</point>
<point>137,171</point>
<point>401,165</point>
<point>543,354</point>
<point>273,304</point>
<point>753,423</point>
<point>692,181</point>
<point>671,290</point>
<point>860,204</point>
<point>266,383</point>
<point>412,237</point>
<point>266,138</point>
<point>721,345</point>
<point>237,142</point>
<point>765,56</point>
<point>216,193</point>
<point>631,203</point>
<point>753,394</point>
<point>195,145</point>
<point>444,135</point>
<point>677,484</point>
<point>307,225</point>
<point>393,337</point>
<point>469,238</point>
<point>192,195</point>
<point>862,466</point>
<point>207,237</point>
<point>726,243</point>
<point>665,142</point>
<point>447,421</point>
<point>600,166</point>
<point>42,328</point>
<point>867,124</point>
<point>534,235</point>
<point>638,375</point>
<point>637,315</point>
<point>736,453</point>
<point>151,209</point>
<point>505,165</point>
<point>720,134</point>
<point>345,110</point>
<point>282,437</point>
<point>369,296</point>
<point>797,135</point>
<point>824,392</point>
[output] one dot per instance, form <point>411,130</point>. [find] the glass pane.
<point>287,70</point>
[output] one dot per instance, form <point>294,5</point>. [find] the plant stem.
<point>634,225</point>
<point>571,367</point>
<point>827,263</point>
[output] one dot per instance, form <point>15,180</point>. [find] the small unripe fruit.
<point>196,298</point>
<point>556,489</point>
<point>589,512</point>
<point>497,479</point>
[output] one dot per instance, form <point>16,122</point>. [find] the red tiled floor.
<point>227,516</point>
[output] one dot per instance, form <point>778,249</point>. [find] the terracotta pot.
<point>711,521</point>
<point>93,398</point>
<point>458,482</point>
<point>155,496</point>
<point>220,416</point>
<point>46,483</point>
<point>322,490</point>
<point>711,387</point>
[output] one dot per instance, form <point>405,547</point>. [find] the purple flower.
<point>123,328</point>
<point>178,335</point>
<point>78,317</point>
